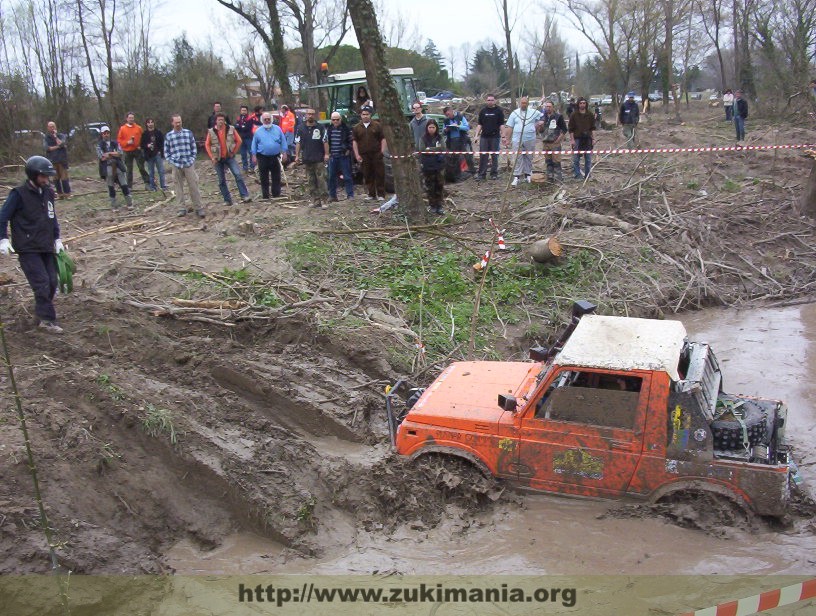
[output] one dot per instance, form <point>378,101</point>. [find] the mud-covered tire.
<point>459,479</point>
<point>728,434</point>
<point>710,512</point>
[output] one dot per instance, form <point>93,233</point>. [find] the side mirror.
<point>539,353</point>
<point>508,403</point>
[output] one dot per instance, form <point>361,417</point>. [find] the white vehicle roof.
<point>623,343</point>
<point>361,75</point>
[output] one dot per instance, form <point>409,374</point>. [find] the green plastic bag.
<point>66,268</point>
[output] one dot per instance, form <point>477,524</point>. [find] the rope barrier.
<point>696,150</point>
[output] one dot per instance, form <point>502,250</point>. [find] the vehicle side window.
<point>595,398</point>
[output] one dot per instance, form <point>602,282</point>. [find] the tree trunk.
<point>395,126</point>
<point>807,204</point>
<point>274,43</point>
<point>278,52</point>
<point>511,67</point>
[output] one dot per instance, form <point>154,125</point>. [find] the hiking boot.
<point>246,199</point>
<point>182,212</point>
<point>200,212</point>
<point>494,176</point>
<point>129,201</point>
<point>480,178</point>
<point>334,200</point>
<point>50,326</point>
<point>228,203</point>
<point>368,198</point>
<point>515,181</point>
<point>113,204</point>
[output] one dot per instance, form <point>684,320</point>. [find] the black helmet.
<point>39,165</point>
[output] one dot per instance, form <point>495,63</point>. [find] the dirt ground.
<point>155,422</point>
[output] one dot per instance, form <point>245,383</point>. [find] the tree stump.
<point>546,250</point>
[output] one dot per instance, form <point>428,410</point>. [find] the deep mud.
<point>278,457</point>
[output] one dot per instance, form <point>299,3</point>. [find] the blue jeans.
<point>338,165</point>
<point>220,170</point>
<point>154,164</point>
<point>739,124</point>
<point>582,143</point>
<point>290,144</point>
<point>246,155</point>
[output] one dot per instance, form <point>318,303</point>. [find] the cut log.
<point>543,251</point>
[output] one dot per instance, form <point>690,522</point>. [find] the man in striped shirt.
<point>180,151</point>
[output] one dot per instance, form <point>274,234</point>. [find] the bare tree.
<point>508,23</point>
<point>268,27</point>
<point>603,23</point>
<point>315,22</point>
<point>713,20</point>
<point>397,133</point>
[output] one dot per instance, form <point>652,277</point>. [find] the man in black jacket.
<point>153,149</point>
<point>629,116</point>
<point>740,114</point>
<point>491,120</point>
<point>35,236</point>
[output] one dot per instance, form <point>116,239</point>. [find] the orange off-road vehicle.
<point>617,407</point>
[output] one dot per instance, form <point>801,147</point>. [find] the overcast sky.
<point>449,23</point>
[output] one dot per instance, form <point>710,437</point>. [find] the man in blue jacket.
<point>35,236</point>
<point>269,151</point>
<point>455,128</point>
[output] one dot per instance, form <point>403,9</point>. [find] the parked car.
<point>88,132</point>
<point>617,407</point>
<point>606,99</point>
<point>715,96</point>
<point>443,95</point>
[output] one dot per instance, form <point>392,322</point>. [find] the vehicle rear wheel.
<point>707,511</point>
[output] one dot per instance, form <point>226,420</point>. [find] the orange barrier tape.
<point>759,603</point>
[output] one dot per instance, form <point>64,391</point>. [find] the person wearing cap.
<point>180,151</point>
<point>629,117</point>
<point>35,236</point>
<point>368,143</point>
<point>112,168</point>
<point>287,126</point>
<point>740,114</point>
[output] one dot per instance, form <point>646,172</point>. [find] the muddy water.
<point>770,352</point>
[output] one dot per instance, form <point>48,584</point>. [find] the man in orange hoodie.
<point>287,126</point>
<point>130,140</point>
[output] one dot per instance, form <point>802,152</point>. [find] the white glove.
<point>5,247</point>
<point>58,247</point>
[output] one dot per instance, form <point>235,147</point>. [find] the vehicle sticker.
<point>580,463</point>
<point>681,425</point>
<point>671,467</point>
<point>700,435</point>
<point>507,444</point>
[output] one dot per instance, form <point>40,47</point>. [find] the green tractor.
<point>341,89</point>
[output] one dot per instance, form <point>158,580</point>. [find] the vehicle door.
<point>583,432</point>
